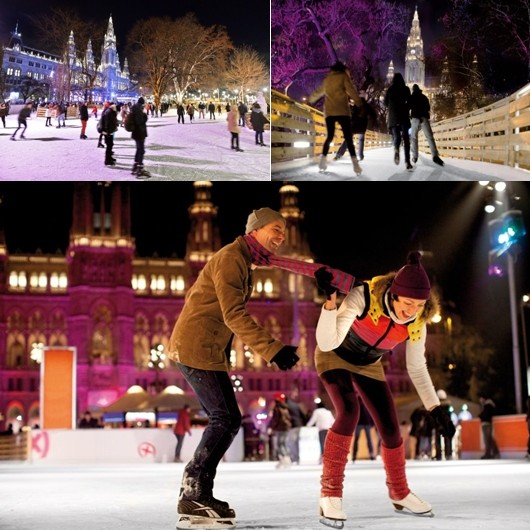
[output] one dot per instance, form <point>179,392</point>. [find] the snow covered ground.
<point>196,151</point>
<point>465,494</point>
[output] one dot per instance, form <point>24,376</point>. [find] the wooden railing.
<point>16,446</point>
<point>299,131</point>
<point>498,133</point>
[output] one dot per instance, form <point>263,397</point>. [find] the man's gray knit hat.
<point>262,217</point>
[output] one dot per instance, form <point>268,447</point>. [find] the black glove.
<point>286,358</point>
<point>443,422</point>
<point>324,279</point>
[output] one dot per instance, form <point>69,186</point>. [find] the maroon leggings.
<point>343,386</point>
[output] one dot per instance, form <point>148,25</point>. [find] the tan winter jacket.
<point>336,88</point>
<point>215,309</point>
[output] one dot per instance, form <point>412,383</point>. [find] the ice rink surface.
<point>465,494</point>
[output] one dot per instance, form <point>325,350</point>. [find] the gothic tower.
<point>109,61</point>
<point>415,59</point>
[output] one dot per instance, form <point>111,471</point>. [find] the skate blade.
<point>197,522</point>
<point>332,523</point>
<point>405,511</point>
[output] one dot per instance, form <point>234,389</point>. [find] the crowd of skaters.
<point>114,115</point>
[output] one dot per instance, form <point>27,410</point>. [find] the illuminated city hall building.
<point>113,82</point>
<point>114,307</point>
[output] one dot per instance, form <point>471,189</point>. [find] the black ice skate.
<point>204,514</point>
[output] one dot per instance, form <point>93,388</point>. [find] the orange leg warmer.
<point>396,480</point>
<point>334,460</point>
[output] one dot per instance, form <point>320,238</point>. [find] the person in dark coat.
<point>83,116</point>
<point>397,100</point>
<point>420,114</point>
<point>486,424</point>
<point>360,117</point>
<point>23,115</point>
<point>258,121</point>
<point>109,125</point>
<point>139,134</point>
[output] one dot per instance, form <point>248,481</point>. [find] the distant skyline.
<point>247,23</point>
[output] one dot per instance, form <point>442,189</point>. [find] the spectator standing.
<point>3,113</point>
<point>298,420</point>
<point>139,134</point>
<point>279,426</point>
<point>397,100</point>
<point>83,116</point>
<point>180,113</point>
<point>486,424</point>
<point>322,418</point>
<point>337,88</point>
<point>258,121</point>
<point>420,114</point>
<point>439,437</point>
<point>211,110</point>
<point>242,109</point>
<point>365,425</point>
<point>23,115</point>
<point>181,428</point>
<point>88,421</point>
<point>234,129</point>
<point>109,125</point>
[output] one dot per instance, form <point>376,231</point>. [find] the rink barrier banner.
<point>58,388</point>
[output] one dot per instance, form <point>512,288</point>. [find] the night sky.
<point>365,229</point>
<point>246,22</point>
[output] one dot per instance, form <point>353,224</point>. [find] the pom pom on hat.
<point>411,281</point>
<point>262,217</point>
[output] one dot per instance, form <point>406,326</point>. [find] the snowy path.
<point>197,151</point>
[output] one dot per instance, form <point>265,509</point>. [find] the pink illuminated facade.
<point>114,306</point>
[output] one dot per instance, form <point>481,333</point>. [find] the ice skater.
<point>374,317</point>
<point>215,310</point>
<point>23,115</point>
<point>337,88</point>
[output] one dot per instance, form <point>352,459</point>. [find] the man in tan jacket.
<point>215,310</point>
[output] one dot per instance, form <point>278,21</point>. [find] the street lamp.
<point>525,302</point>
<point>506,231</point>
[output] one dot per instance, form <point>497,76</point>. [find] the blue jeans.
<point>217,398</point>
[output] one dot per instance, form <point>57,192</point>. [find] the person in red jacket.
<point>181,428</point>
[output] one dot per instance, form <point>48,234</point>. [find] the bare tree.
<point>202,53</point>
<point>309,35</point>
<point>247,71</point>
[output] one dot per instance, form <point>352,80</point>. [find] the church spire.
<point>415,59</point>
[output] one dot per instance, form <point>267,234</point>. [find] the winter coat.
<point>139,118</point>
<point>336,89</point>
<point>109,121</point>
<point>281,419</point>
<point>419,105</point>
<point>215,309</point>
<point>397,99</point>
<point>24,113</point>
<point>360,116</point>
<point>183,425</point>
<point>83,112</point>
<point>258,120</point>
<point>232,119</point>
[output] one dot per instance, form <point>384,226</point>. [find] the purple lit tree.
<point>310,35</point>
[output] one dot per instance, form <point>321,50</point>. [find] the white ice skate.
<point>284,462</point>
<point>331,513</point>
<point>356,167</point>
<point>322,164</point>
<point>412,504</point>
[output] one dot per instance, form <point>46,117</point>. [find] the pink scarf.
<point>264,258</point>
